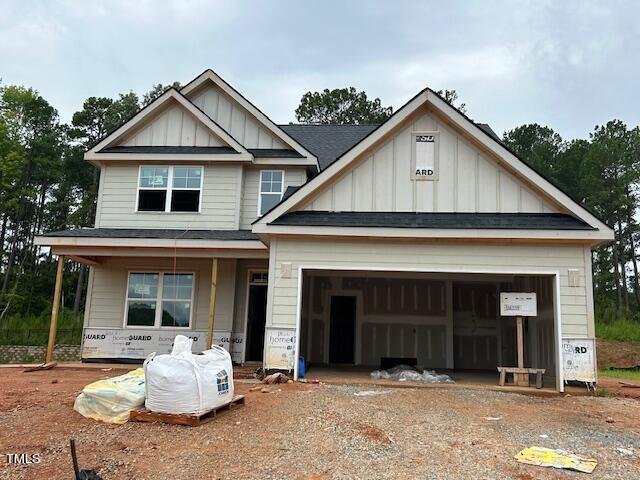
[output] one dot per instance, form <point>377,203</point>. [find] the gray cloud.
<point>569,65</point>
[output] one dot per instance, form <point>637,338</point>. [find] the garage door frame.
<point>490,271</point>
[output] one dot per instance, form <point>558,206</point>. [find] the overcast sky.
<point>569,65</point>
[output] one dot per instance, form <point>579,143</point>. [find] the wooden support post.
<point>212,300</point>
<point>55,310</point>
<point>521,378</point>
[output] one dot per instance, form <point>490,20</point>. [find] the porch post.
<point>212,300</point>
<point>55,309</point>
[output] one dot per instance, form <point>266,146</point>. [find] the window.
<point>157,299</point>
<point>271,190</point>
<point>169,189</point>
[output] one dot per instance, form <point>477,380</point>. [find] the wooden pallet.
<point>144,415</point>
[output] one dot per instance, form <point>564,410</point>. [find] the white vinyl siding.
<point>467,180</point>
<point>577,315</point>
<point>219,201</point>
<point>293,177</point>
<point>108,290</point>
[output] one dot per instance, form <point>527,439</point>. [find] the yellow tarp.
<point>546,457</point>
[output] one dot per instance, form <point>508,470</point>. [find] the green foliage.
<point>451,96</point>
<point>341,106</point>
<point>618,330</point>
<point>32,329</point>
<point>157,90</point>
<point>620,374</point>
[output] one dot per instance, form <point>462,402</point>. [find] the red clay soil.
<point>613,354</point>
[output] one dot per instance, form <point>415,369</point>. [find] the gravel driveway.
<point>321,432</point>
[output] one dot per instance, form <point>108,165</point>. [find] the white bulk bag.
<point>182,382</point>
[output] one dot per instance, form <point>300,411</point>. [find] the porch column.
<point>55,310</point>
<point>212,300</point>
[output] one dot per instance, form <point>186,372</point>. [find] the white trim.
<point>99,159</point>
<point>260,192</point>
<point>146,112</point>
<point>169,188</point>
<point>244,103</point>
<point>555,274</point>
<point>246,305</point>
<point>457,233</point>
<point>159,299</point>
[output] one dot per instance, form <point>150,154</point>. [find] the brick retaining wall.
<point>36,354</point>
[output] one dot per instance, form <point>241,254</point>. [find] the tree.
<point>341,106</point>
<point>157,90</point>
<point>538,146</point>
<point>450,96</point>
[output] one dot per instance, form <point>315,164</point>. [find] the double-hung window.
<point>271,190</point>
<point>159,299</point>
<point>169,189</point>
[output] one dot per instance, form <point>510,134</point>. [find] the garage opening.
<point>362,321</point>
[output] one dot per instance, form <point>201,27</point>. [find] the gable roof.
<point>328,142</point>
<point>483,136</point>
<point>171,95</point>
<point>211,76</point>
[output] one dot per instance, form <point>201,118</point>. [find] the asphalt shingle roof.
<point>327,142</point>
<point>529,221</point>
<point>157,233</point>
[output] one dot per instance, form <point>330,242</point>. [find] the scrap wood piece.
<point>630,385</point>
<point>546,457</point>
<point>191,420</point>
<point>42,366</point>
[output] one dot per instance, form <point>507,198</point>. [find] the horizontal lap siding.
<point>219,207</point>
<point>109,283</point>
<point>389,256</point>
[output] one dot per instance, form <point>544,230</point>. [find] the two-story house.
<point>344,244</point>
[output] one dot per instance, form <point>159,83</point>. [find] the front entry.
<point>256,317</point>
<point>342,329</point>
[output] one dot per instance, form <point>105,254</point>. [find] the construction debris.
<point>276,378</point>
<point>43,366</point>
<point>406,373</point>
<point>546,457</point>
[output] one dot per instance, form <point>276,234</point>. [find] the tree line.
<point>46,185</point>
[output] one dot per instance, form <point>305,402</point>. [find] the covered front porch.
<point>144,288</point>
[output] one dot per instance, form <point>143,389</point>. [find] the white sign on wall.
<point>518,304</point>
<point>425,155</point>
<point>578,359</point>
<point>116,343</point>
<point>280,348</point>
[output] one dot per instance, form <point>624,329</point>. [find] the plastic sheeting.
<point>182,382</point>
<point>546,457</point>
<point>405,373</point>
<point>112,399</point>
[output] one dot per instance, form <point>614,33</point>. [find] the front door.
<point>342,329</point>
<point>256,317</point>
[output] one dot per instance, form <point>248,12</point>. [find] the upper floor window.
<point>169,189</point>
<point>271,190</point>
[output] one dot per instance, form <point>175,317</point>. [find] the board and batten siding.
<point>173,127</point>
<point>220,201</point>
<point>468,181</point>
<point>293,177</point>
<point>576,304</point>
<point>108,284</point>
<point>240,124</point>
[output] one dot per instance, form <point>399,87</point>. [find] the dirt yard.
<point>319,432</point>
